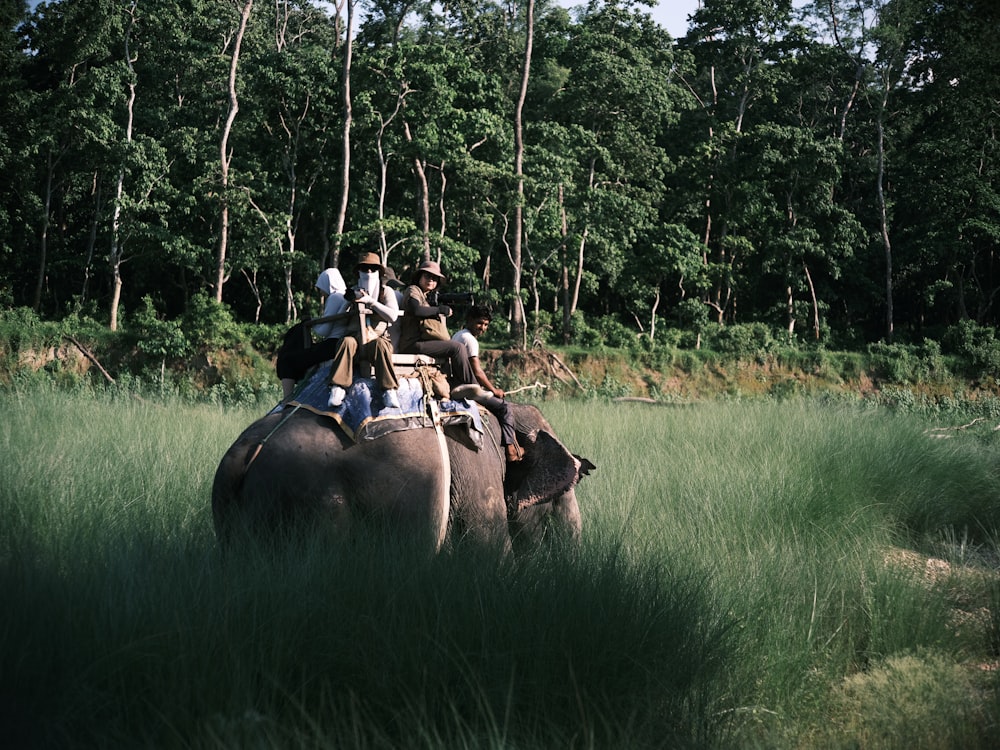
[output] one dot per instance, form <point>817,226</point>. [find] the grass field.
<point>774,575</point>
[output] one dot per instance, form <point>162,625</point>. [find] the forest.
<point>828,170</point>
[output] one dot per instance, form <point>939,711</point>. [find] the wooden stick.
<point>536,384</point>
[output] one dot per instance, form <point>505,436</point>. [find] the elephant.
<point>432,470</point>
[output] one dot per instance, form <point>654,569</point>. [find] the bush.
<point>975,344</point>
<point>162,339</point>
<point>541,328</point>
<point>741,339</point>
<point>264,338</point>
<point>21,328</point>
<point>582,334</point>
<point>210,324</point>
<point>615,334</point>
<point>673,338</point>
<point>907,363</point>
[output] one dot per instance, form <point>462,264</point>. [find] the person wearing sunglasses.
<point>371,341</point>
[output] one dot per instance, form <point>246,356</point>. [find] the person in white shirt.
<point>298,351</point>
<point>477,320</point>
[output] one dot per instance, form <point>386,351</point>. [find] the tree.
<point>225,155</point>
<point>949,158</point>
<point>617,105</point>
<point>739,46</point>
<point>347,49</point>
<point>517,311</point>
<point>12,117</point>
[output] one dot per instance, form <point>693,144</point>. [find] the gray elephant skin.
<point>434,485</point>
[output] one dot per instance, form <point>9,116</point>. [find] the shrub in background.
<point>615,334</point>
<point>158,338</point>
<point>975,345</point>
<point>210,324</point>
<point>907,363</point>
<point>742,339</point>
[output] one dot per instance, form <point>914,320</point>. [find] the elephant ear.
<point>547,470</point>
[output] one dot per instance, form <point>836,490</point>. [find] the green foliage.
<point>905,363</point>
<point>623,129</point>
<point>615,334</point>
<point>264,338</point>
<point>742,340</point>
<point>22,328</point>
<point>977,345</point>
<point>209,324</point>
<point>157,337</point>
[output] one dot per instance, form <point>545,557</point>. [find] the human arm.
<point>387,307</point>
<point>481,377</point>
<point>415,304</point>
<point>334,312</point>
<point>466,338</point>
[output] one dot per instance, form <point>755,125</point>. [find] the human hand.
<point>499,392</point>
<point>444,310</point>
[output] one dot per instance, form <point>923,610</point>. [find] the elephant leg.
<point>400,480</point>
<point>478,503</point>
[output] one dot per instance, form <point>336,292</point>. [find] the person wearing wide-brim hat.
<point>430,267</point>
<point>383,310</point>
<point>370,262</point>
<point>390,279</point>
<point>423,329</point>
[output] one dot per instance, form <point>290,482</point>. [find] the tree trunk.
<point>383,168</point>
<point>91,242</point>
<point>423,197</point>
<point>345,174</point>
<point>441,212</point>
<point>652,315</point>
<point>225,157</point>
<point>43,240</point>
<point>116,253</point>
<point>790,312</point>
<point>883,215</point>
<point>517,323</point>
<point>564,273</point>
<point>815,303</point>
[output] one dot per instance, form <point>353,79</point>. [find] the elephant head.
<point>529,499</point>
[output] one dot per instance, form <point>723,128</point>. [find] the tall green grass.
<point>734,589</point>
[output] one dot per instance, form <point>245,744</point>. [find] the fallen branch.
<point>959,427</point>
<point>91,357</point>
<point>559,362</point>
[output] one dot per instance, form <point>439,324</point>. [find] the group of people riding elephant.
<point>408,322</point>
<point>445,484</point>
